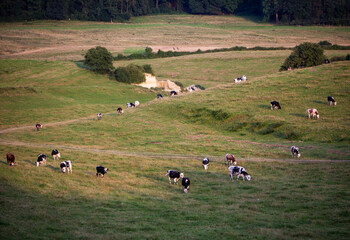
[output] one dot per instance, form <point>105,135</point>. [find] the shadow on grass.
<point>298,115</point>
<point>320,102</point>
<point>264,106</point>
<point>53,168</point>
<point>32,163</point>
<point>3,162</point>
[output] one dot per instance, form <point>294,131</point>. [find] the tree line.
<point>334,12</point>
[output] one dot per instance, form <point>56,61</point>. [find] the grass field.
<point>286,199</point>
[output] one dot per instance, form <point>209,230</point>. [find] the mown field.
<point>286,199</point>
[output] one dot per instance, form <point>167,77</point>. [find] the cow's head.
<point>205,166</point>
<point>63,169</point>
<point>185,190</point>
<point>181,175</point>
<point>298,155</point>
<point>248,177</point>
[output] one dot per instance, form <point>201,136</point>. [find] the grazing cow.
<point>99,116</point>
<point>137,103</point>
<point>275,105</point>
<point>159,96</point>
<point>55,154</point>
<point>230,159</point>
<point>101,171</point>
<point>205,163</point>
<point>130,105</point>
<point>236,80</point>
<point>295,151</point>
<point>41,160</point>
<point>120,111</point>
<point>239,172</point>
<point>10,159</point>
<point>173,93</point>
<point>66,166</point>
<point>38,126</point>
<point>244,78</point>
<point>174,175</point>
<point>186,184</point>
<point>326,61</point>
<point>331,101</point>
<point>312,112</point>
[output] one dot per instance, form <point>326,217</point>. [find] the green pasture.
<point>306,198</point>
<point>135,200</point>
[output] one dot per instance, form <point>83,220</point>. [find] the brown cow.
<point>10,159</point>
<point>230,159</point>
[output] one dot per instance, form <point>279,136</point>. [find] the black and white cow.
<point>99,116</point>
<point>120,110</point>
<point>55,154</point>
<point>186,184</point>
<point>38,126</point>
<point>41,160</point>
<point>10,159</point>
<point>295,151</point>
<point>130,105</point>
<point>174,175</point>
<point>159,96</point>
<point>230,159</point>
<point>173,93</point>
<point>275,105</point>
<point>205,163</point>
<point>331,101</point>
<point>66,166</point>
<point>239,172</point>
<point>101,171</point>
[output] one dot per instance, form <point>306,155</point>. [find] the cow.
<point>174,175</point>
<point>239,172</point>
<point>230,159</point>
<point>312,112</point>
<point>173,93</point>
<point>66,166</point>
<point>331,101</point>
<point>41,160</point>
<point>275,105</point>
<point>120,110</point>
<point>326,61</point>
<point>38,126</point>
<point>137,103</point>
<point>205,163</point>
<point>130,105</point>
<point>55,154</point>
<point>186,184</point>
<point>244,78</point>
<point>159,96</point>
<point>295,151</point>
<point>101,171</point>
<point>99,116</point>
<point>236,80</point>
<point>11,160</point>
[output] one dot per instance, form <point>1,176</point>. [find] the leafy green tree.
<point>130,74</point>
<point>99,59</point>
<point>306,54</point>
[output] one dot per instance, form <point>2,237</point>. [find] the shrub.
<point>325,43</point>
<point>306,54</point>
<point>130,74</point>
<point>148,69</point>
<point>99,59</point>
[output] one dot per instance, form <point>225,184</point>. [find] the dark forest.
<point>288,12</point>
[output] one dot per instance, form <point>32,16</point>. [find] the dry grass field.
<point>306,198</point>
<point>69,40</point>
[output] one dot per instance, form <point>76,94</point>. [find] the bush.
<point>325,43</point>
<point>130,74</point>
<point>99,59</point>
<point>148,69</point>
<point>306,54</point>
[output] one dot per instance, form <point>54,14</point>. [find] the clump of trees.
<point>99,59</point>
<point>132,73</point>
<point>280,11</point>
<point>304,55</point>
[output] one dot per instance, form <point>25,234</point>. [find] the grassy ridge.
<point>135,200</point>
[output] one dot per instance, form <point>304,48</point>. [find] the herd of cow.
<point>173,175</point>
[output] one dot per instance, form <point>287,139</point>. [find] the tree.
<point>306,54</point>
<point>99,59</point>
<point>130,74</point>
